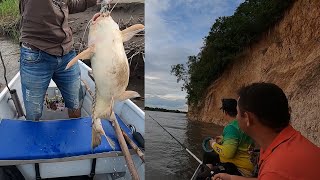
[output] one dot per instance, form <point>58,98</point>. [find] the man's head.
<point>262,104</point>
<point>229,106</point>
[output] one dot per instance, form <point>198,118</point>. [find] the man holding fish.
<point>46,47</point>
<point>46,53</point>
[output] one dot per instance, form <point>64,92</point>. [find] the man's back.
<point>290,156</point>
<point>235,148</point>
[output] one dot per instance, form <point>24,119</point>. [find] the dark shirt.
<point>44,23</point>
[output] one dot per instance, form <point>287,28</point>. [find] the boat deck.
<point>30,140</point>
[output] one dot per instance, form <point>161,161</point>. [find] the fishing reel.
<point>137,136</point>
<point>205,173</point>
<point>132,128</point>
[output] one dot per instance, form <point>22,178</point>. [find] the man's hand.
<point>219,139</point>
<point>103,1</point>
<point>212,142</point>
<point>221,176</point>
<point>224,176</point>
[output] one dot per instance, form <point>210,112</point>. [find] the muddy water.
<point>165,159</point>
<point>10,54</point>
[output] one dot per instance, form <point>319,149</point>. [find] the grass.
<point>9,18</point>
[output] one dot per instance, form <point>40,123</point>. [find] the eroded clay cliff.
<point>289,56</point>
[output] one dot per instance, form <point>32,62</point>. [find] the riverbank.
<point>163,110</point>
<point>9,18</point>
<point>10,54</point>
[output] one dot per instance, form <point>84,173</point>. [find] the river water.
<point>165,158</point>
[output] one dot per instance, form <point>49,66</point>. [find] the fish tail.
<point>97,132</point>
<point>96,136</point>
<point>95,139</point>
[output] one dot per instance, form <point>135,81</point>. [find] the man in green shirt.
<point>231,151</point>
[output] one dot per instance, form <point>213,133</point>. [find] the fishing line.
<point>85,30</point>
<point>113,6</point>
<point>194,156</point>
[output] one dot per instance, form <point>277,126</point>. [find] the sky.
<point>174,30</point>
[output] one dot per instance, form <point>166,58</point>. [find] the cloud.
<point>164,87</point>
<point>150,77</point>
<point>174,31</point>
<point>155,101</point>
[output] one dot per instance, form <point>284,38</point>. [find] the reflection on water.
<point>165,158</point>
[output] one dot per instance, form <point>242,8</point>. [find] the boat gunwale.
<point>10,84</point>
<point>111,154</point>
<point>130,104</point>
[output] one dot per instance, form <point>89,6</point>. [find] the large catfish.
<point>110,70</point>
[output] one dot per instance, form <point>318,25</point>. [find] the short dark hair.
<point>229,106</point>
<point>268,102</point>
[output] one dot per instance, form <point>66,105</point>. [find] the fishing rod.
<point>194,156</point>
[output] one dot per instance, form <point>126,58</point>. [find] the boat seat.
<point>30,140</point>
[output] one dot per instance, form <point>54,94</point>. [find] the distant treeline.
<point>228,38</point>
<point>162,110</point>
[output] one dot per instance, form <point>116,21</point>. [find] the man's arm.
<point>224,176</point>
<point>76,6</point>
<point>227,150</point>
<point>230,143</point>
<point>264,176</point>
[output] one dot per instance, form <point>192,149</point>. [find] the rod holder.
<point>16,102</point>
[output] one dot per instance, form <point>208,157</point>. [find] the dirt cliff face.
<point>289,56</point>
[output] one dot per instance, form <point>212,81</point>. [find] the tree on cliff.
<point>227,38</point>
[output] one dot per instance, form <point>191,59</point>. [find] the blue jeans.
<point>37,68</point>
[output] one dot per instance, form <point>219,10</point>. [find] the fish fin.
<point>86,54</point>
<point>128,95</point>
<point>111,142</point>
<point>129,32</point>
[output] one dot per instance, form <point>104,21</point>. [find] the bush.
<point>9,18</point>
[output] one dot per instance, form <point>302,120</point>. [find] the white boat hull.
<point>108,166</point>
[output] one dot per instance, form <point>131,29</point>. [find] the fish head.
<point>105,17</point>
<point>102,23</point>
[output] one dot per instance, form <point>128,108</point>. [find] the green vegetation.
<point>9,18</point>
<point>162,110</point>
<point>227,39</point>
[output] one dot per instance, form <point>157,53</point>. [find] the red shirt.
<point>290,156</point>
